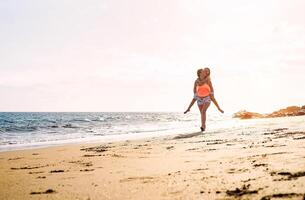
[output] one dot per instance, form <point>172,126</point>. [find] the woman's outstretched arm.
<point>213,98</point>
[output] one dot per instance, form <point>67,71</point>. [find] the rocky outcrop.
<point>243,114</point>
<point>289,111</point>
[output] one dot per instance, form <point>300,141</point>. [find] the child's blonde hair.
<point>208,78</point>
<point>198,72</point>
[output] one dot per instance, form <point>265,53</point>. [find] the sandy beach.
<point>190,166</point>
<point>104,100</point>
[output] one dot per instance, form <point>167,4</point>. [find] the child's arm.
<point>213,98</point>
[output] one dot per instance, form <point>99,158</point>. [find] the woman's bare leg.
<point>203,111</point>
<point>200,107</point>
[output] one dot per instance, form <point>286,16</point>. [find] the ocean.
<point>31,130</point>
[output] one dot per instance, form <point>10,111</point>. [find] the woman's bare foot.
<point>220,110</point>
<point>188,110</point>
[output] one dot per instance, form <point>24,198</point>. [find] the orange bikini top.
<point>203,90</point>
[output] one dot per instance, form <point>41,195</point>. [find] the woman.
<point>204,94</point>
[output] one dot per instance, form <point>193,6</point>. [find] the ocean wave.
<point>20,129</point>
<point>69,126</point>
<point>49,120</point>
<point>9,143</point>
<point>100,119</point>
<point>81,120</point>
<point>7,121</point>
<point>53,126</point>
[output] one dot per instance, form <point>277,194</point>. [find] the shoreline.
<point>89,141</point>
<point>82,143</point>
<point>189,166</point>
<point>132,136</point>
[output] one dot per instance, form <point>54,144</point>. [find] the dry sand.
<point>193,166</point>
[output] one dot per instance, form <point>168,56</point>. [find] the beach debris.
<point>260,165</point>
<point>48,191</point>
<point>28,167</point>
<point>249,179</point>
<point>282,195</point>
<point>91,155</point>
<point>16,158</point>
<point>299,138</point>
<point>86,170</point>
<point>275,145</point>
<point>184,136</point>
<point>233,170</point>
<point>240,192</point>
<point>57,171</point>
<point>117,155</point>
<point>142,145</point>
<point>36,172</point>
<point>219,142</point>
<point>169,147</point>
<point>280,129</point>
<point>192,149</point>
<point>200,169</point>
<point>145,179</point>
<point>289,175</point>
<point>97,149</point>
<point>87,164</point>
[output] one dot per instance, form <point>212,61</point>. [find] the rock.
<point>243,114</point>
<point>289,111</point>
<point>301,112</point>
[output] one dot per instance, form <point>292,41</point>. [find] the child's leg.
<point>191,104</point>
<point>215,103</point>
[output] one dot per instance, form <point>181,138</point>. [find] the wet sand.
<point>190,166</point>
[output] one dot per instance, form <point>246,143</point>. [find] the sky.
<point>135,55</point>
